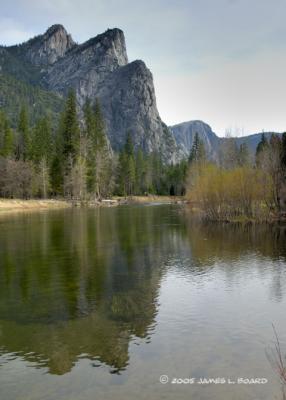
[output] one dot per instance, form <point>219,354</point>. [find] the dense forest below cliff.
<point>72,158</point>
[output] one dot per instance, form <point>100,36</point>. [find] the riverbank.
<point>18,205</point>
<point>152,199</point>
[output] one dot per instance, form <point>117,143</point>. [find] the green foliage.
<point>198,152</point>
<point>77,162</point>
<point>69,128</point>
<point>141,174</point>
<point>41,141</point>
<point>14,93</point>
<point>14,63</point>
<point>96,151</point>
<point>127,172</point>
<point>237,189</point>
<point>6,136</point>
<point>23,136</point>
<point>229,194</point>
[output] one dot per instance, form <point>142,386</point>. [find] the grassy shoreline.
<point>20,205</point>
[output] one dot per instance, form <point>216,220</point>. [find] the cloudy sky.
<point>221,61</point>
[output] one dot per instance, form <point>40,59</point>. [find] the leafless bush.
<point>278,362</point>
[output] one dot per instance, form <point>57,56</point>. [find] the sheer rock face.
<point>48,48</point>
<point>99,68</point>
<point>87,65</point>
<point>128,95</point>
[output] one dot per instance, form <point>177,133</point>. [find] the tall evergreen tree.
<point>68,143</point>
<point>198,153</point>
<point>41,153</point>
<point>23,138</point>
<point>70,128</point>
<point>41,146</point>
<point>6,136</point>
<point>127,172</point>
<point>98,153</point>
<point>140,187</point>
<point>57,164</point>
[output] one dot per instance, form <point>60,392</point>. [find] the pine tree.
<point>140,173</point>
<point>129,147</point>
<point>78,178</point>
<point>99,166</point>
<point>157,172</point>
<point>68,144</point>
<point>6,136</point>
<point>198,153</point>
<point>70,128</point>
<point>57,164</point>
<point>23,139</point>
<point>127,171</point>
<point>130,175</point>
<point>41,146</point>
<point>41,153</point>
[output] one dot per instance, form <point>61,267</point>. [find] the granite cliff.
<point>98,68</point>
<point>42,70</point>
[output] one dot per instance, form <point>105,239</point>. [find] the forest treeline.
<point>238,187</point>
<point>74,159</point>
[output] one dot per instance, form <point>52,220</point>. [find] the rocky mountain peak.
<point>46,49</point>
<point>97,69</point>
<point>110,44</point>
<point>53,29</point>
<point>86,67</point>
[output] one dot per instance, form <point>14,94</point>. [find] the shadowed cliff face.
<point>99,68</point>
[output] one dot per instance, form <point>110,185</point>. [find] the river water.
<point>100,303</point>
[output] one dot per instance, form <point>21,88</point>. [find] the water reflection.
<point>85,283</point>
<point>80,282</point>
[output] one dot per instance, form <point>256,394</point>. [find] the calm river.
<point>99,304</point>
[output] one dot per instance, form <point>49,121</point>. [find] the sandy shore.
<point>16,205</point>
